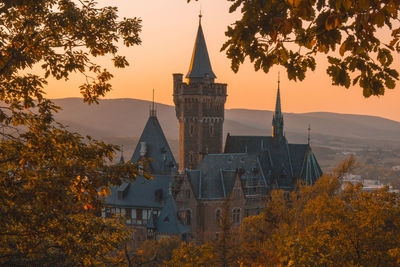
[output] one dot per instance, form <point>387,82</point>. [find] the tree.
<point>52,181</point>
<point>291,33</point>
<point>325,225</point>
<point>225,246</point>
<point>190,254</point>
<point>154,253</point>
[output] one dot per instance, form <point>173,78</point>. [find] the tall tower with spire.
<point>199,105</point>
<point>277,121</point>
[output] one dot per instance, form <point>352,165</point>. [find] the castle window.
<point>211,129</point>
<point>133,216</point>
<point>187,193</point>
<point>236,193</point>
<point>139,216</point>
<point>218,216</point>
<point>145,216</point>
<point>191,129</point>
<point>191,157</point>
<point>128,215</point>
<point>108,213</point>
<point>236,215</point>
<point>188,217</point>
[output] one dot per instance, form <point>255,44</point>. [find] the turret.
<point>199,106</point>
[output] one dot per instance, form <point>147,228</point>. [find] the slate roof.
<point>258,160</point>
<point>168,222</point>
<point>279,157</point>
<point>200,65</point>
<point>215,176</point>
<point>278,109</point>
<point>140,193</point>
<point>163,161</point>
<point>246,144</point>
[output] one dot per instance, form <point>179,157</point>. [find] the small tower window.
<point>211,129</point>
<point>191,129</point>
<point>218,216</point>
<point>236,216</point>
<point>187,193</point>
<point>191,157</point>
<point>236,193</point>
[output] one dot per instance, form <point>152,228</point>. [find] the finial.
<point>153,107</point>
<point>279,78</point>
<point>200,15</point>
<point>309,133</point>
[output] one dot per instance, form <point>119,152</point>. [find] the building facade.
<point>248,167</point>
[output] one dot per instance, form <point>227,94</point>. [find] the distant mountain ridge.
<point>126,118</point>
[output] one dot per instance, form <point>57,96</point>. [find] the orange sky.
<point>169,30</point>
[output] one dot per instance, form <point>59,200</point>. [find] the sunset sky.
<point>169,30</point>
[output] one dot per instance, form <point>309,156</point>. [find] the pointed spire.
<point>153,112</point>
<point>200,65</point>
<point>309,133</point>
<point>277,121</point>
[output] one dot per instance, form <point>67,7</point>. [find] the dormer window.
<point>143,149</point>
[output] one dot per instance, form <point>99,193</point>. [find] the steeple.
<point>277,121</point>
<point>278,110</point>
<point>200,65</point>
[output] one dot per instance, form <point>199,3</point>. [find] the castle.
<point>185,199</point>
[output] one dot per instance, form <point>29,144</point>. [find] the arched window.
<point>188,217</point>
<point>218,216</point>
<point>236,215</point>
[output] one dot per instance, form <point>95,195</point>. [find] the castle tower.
<point>277,121</point>
<point>199,105</point>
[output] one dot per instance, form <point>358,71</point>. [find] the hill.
<point>121,121</point>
